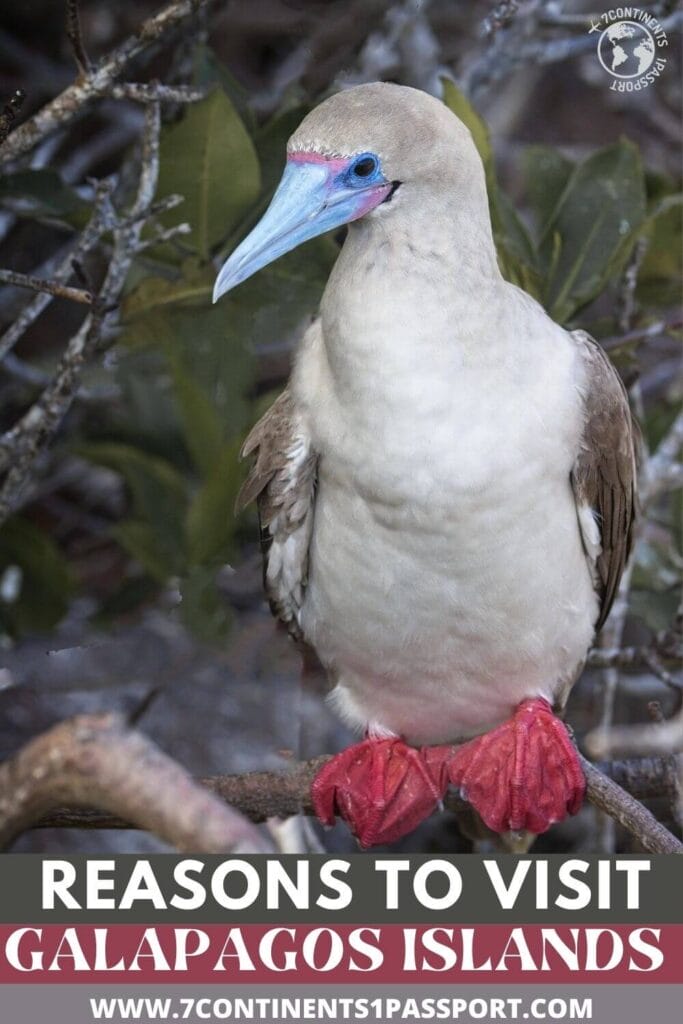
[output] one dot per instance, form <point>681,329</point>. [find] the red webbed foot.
<point>382,788</point>
<point>524,775</point>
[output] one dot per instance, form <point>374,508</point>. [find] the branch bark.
<point>117,783</point>
<point>98,80</point>
<point>622,807</point>
<point>98,760</point>
<point>37,284</point>
<point>22,443</point>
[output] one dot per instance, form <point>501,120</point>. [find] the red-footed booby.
<point>446,486</point>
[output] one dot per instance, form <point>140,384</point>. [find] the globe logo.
<point>626,49</point>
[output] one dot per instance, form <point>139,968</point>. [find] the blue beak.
<point>312,198</point>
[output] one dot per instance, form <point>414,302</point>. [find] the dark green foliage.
<point>209,158</point>
<point>187,367</point>
<point>587,218</point>
<point>35,582</point>
<point>42,195</point>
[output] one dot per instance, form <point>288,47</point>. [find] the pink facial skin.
<point>336,164</point>
<point>369,197</point>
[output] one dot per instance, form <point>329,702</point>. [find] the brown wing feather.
<point>604,475</point>
<point>282,482</point>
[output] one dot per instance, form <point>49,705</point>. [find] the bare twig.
<point>650,738</point>
<point>610,637</point>
<point>654,664</point>
<point>98,760</point>
<point>652,330</point>
<point>36,378</point>
<point>21,445</point>
<point>630,657</point>
<point>65,107</point>
<point>626,299</point>
<point>522,39</point>
<point>145,92</point>
<point>501,15</point>
<point>61,291</point>
<point>620,806</point>
<point>9,113</point>
<point>672,769</point>
<point>75,37</point>
<point>101,220</point>
<point>159,235</point>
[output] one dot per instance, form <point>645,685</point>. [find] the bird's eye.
<point>365,166</point>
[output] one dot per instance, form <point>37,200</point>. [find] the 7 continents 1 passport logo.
<point>630,47</point>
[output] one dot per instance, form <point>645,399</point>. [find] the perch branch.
<point>262,795</point>
<point>98,760</point>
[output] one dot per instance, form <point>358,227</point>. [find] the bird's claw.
<point>524,775</point>
<point>381,787</point>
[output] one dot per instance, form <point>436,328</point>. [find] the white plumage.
<point>446,487</point>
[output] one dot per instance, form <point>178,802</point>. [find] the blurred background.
<point>123,572</point>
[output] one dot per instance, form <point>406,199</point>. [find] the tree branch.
<point>98,760</point>
<point>75,37</point>
<point>98,80</point>
<point>37,284</point>
<point>619,805</point>
<point>262,795</point>
<point>649,738</point>
<point>9,114</point>
<point>21,445</point>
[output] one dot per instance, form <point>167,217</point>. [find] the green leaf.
<point>462,108</point>
<point>659,279</point>
<point>147,417</point>
<point>206,345</point>
<point>41,575</point>
<point>42,194</point>
<point>159,497</point>
<point>202,424</point>
<point>192,285</point>
<point>656,609</point>
<point>129,597</point>
<point>516,253</point>
<point>209,158</point>
<point>658,421</point>
<point>546,173</point>
<point>143,543</point>
<point>211,370</point>
<point>282,296</point>
<point>211,519</point>
<point>209,70</point>
<point>271,143</point>
<point>602,204</point>
<point>202,609</point>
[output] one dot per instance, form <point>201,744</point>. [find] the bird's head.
<point>348,158</point>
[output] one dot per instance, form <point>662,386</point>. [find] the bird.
<point>446,486</point>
